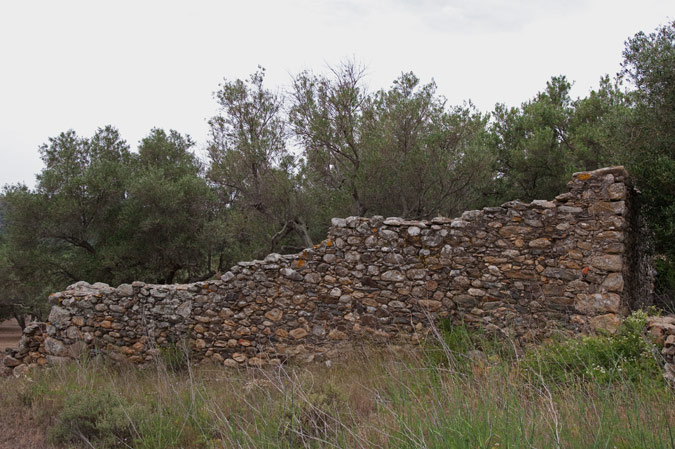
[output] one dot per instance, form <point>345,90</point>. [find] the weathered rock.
<point>274,314</point>
<point>5,371</point>
<point>598,303</point>
<point>570,209</point>
<point>336,334</point>
<point>608,207</point>
<point>393,276</point>
<point>56,360</point>
<point>231,363</point>
<point>540,243</point>
<point>617,191</point>
<point>59,317</point>
<point>21,370</point>
<point>291,274</point>
<point>430,304</point>
<point>609,322</point>
<point>560,273</point>
<point>607,262</point>
<point>313,278</point>
<point>543,203</point>
<point>55,347</point>
<point>124,290</point>
<point>417,273</point>
<point>10,362</point>
<point>298,333</point>
<point>613,282</point>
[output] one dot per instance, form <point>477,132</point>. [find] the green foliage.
<point>649,64</point>
<point>318,415</point>
<point>398,151</point>
<point>420,158</point>
<point>166,218</point>
<point>539,145</point>
<point>27,264</point>
<point>458,338</point>
<point>174,356</point>
<point>100,212</point>
<point>326,116</point>
<point>461,347</point>
<point>96,418</point>
<point>627,356</point>
<point>628,121</point>
<point>253,170</point>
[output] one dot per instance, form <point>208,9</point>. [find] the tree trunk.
<point>300,228</point>
<point>20,318</point>
<point>357,202</point>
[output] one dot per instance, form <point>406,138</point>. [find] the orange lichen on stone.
<point>583,176</point>
<point>374,229</point>
<point>299,263</point>
<point>329,243</point>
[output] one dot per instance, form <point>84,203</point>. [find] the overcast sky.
<point>142,64</point>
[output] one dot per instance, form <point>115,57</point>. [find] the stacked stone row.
<point>526,270</point>
<point>30,352</point>
<point>662,331</point>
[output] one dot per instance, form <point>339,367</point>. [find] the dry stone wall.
<point>525,270</point>
<point>662,332</point>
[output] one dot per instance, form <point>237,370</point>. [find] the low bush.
<point>318,415</point>
<point>174,356</point>
<point>458,346</point>
<point>628,355</point>
<point>96,418</point>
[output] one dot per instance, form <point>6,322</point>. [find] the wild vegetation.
<point>281,164</point>
<point>462,390</point>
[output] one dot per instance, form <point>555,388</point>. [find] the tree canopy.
<point>279,165</point>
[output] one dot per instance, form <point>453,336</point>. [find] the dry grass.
<point>600,392</point>
<point>375,399</point>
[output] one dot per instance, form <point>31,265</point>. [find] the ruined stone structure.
<point>523,270</point>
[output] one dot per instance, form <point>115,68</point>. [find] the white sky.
<point>141,64</point>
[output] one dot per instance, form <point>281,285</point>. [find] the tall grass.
<point>424,398</point>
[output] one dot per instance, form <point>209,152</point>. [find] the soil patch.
<point>10,334</point>
<point>20,430</point>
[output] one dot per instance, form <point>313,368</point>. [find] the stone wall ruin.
<point>524,270</point>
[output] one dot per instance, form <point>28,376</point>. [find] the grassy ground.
<point>441,396</point>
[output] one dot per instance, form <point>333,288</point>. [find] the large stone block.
<point>59,317</point>
<point>597,303</point>
<point>608,262</point>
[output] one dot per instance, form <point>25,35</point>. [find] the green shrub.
<point>315,416</point>
<point>626,356</point>
<point>455,344</point>
<point>174,356</point>
<point>97,418</point>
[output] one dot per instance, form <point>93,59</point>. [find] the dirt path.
<point>10,334</point>
<point>19,428</point>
